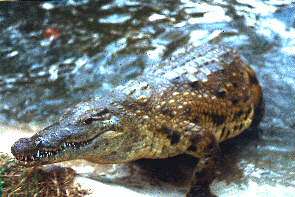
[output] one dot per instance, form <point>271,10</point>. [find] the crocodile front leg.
<point>205,147</point>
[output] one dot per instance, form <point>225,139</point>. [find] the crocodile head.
<point>91,130</point>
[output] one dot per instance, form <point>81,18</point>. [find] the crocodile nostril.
<point>21,146</point>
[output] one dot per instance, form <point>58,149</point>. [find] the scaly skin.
<point>189,103</point>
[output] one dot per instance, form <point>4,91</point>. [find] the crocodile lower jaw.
<point>65,151</point>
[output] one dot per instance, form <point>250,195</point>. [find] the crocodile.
<point>190,102</point>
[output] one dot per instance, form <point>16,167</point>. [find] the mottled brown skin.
<point>195,99</point>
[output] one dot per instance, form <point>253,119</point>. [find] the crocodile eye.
<point>88,121</point>
<point>100,116</point>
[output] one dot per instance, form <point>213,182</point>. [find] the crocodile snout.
<point>22,147</point>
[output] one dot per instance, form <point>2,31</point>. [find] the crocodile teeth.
<point>47,153</point>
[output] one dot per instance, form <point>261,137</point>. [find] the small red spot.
<point>52,32</point>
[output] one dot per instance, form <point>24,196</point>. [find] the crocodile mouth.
<point>68,150</point>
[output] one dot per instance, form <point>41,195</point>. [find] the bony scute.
<point>189,108</point>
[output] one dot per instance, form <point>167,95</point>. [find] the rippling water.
<point>56,54</point>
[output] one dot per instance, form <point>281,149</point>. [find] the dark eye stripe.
<point>88,121</point>
<point>102,115</point>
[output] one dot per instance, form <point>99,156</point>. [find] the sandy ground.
<point>139,182</point>
<point>9,135</point>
